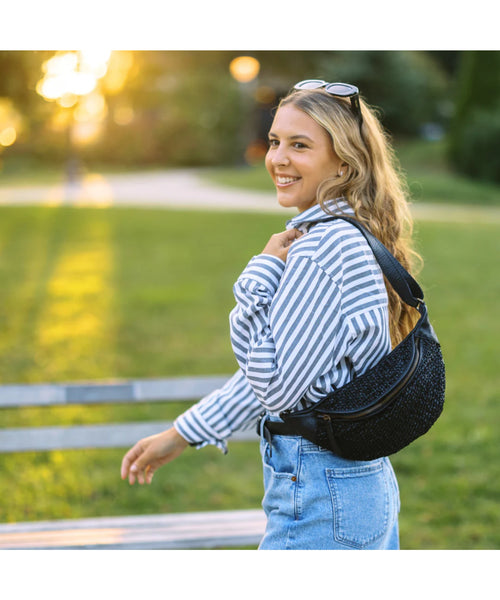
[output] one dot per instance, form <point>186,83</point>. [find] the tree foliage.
<point>184,108</point>
<point>408,88</point>
<point>475,130</point>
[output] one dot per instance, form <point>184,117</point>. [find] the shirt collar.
<point>304,220</point>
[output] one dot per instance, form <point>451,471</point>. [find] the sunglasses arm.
<point>356,108</point>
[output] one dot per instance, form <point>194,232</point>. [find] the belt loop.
<point>264,432</point>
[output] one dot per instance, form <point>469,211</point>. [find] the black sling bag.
<point>393,403</point>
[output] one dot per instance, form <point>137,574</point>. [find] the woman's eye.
<point>274,143</point>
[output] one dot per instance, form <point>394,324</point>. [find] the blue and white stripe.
<point>299,329</point>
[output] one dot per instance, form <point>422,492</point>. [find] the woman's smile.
<point>300,157</point>
<point>285,181</point>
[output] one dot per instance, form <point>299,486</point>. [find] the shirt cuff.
<point>196,431</point>
<point>265,270</point>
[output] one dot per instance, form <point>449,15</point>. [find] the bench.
<point>217,529</point>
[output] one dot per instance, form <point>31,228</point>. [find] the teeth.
<point>284,180</point>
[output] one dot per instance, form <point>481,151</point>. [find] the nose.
<point>280,157</point>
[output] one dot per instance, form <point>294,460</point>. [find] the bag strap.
<point>402,282</point>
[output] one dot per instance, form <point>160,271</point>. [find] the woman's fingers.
<point>136,461</point>
<point>143,459</point>
<point>141,467</point>
<point>279,243</point>
<point>129,458</point>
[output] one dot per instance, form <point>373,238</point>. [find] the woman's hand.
<point>279,243</point>
<point>150,453</point>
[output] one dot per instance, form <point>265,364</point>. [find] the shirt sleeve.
<point>216,417</point>
<point>286,328</point>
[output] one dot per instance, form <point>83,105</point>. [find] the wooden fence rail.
<point>105,435</point>
<point>175,531</point>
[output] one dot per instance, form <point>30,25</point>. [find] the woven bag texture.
<point>408,417</point>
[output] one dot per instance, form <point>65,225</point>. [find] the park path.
<point>188,189</point>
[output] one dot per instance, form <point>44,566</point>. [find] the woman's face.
<point>300,157</point>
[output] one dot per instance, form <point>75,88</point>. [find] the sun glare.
<point>70,74</point>
<point>76,316</point>
<point>79,81</point>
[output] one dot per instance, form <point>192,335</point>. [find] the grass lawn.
<point>97,294</point>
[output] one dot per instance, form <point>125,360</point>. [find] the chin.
<point>286,201</point>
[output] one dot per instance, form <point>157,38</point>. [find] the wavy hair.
<point>372,184</point>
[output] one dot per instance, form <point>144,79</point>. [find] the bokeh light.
<point>71,79</point>
<point>123,114</point>
<point>244,68</point>
<point>10,123</point>
<point>119,66</point>
<point>8,136</point>
<point>72,74</point>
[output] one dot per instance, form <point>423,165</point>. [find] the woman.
<point>312,312</point>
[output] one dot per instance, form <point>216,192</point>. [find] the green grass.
<point>452,502</point>
<point>125,293</point>
<point>27,172</point>
<point>105,293</point>
<point>430,177</point>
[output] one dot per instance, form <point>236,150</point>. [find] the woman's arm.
<point>235,406</point>
<point>226,410</point>
<point>287,328</point>
<point>211,421</point>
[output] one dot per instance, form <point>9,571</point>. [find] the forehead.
<point>291,121</point>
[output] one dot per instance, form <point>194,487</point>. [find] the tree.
<point>475,130</point>
<point>408,88</point>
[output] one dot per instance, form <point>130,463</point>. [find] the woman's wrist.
<point>179,439</point>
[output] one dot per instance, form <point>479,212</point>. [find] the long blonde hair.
<point>372,184</point>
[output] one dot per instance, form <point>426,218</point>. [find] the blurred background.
<point>136,109</point>
<point>94,290</point>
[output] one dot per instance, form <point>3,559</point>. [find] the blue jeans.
<point>315,500</point>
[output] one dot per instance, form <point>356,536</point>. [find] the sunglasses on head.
<point>342,90</point>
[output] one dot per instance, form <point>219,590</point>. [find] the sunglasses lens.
<point>341,89</point>
<point>309,84</point>
<point>345,90</point>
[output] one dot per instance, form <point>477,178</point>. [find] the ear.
<point>342,168</point>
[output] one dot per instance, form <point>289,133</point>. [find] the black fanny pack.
<point>393,403</point>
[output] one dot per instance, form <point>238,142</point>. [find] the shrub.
<point>475,130</point>
<point>475,151</point>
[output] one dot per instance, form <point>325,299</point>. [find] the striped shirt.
<point>299,329</point>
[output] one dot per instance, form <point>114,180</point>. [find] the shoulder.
<point>329,242</point>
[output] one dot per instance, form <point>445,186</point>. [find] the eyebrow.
<point>301,136</point>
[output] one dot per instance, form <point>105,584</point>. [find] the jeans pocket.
<point>281,457</point>
<point>361,503</point>
<point>280,461</point>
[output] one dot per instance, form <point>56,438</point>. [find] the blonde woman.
<point>312,312</point>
